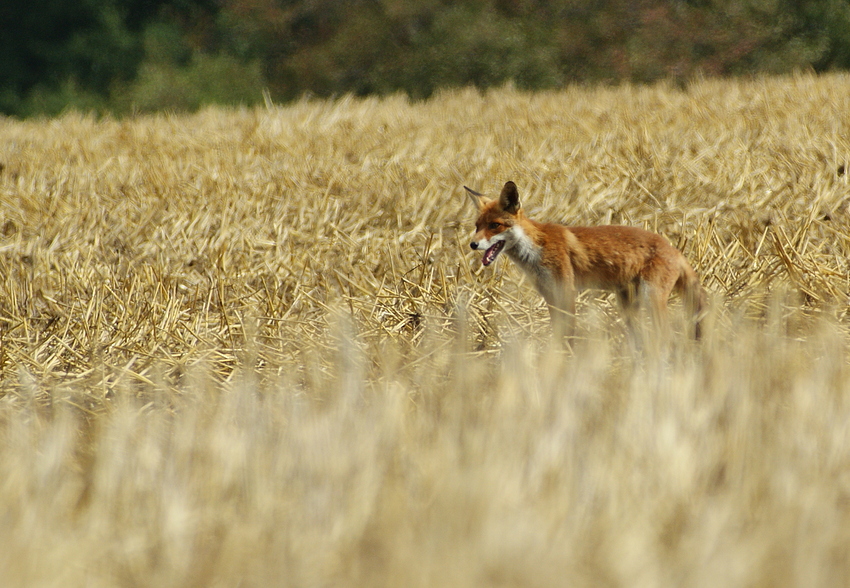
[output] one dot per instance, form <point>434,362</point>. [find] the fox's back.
<point>613,254</point>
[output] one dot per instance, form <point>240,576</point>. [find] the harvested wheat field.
<point>253,348</point>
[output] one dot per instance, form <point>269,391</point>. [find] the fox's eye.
<point>493,226</point>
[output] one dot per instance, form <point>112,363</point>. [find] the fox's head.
<point>496,227</point>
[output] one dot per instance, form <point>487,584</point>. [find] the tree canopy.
<point>139,55</point>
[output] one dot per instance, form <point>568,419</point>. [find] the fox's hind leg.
<point>657,304</point>
<point>657,281</point>
<point>637,299</point>
<point>627,297</point>
<point>694,301</point>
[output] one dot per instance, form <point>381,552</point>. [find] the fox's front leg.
<point>562,312</point>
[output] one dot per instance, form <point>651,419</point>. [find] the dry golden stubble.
<point>253,345</point>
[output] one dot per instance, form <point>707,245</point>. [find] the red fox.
<point>561,260</point>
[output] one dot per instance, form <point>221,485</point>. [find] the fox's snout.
<point>474,245</point>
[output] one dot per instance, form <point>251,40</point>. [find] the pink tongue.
<point>492,252</point>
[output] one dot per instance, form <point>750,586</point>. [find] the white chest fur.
<point>523,250</point>
<point>528,256</point>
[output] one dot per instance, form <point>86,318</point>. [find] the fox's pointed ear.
<point>509,198</point>
<point>477,199</point>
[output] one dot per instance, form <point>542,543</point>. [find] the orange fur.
<point>562,260</point>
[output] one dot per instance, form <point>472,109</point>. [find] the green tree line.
<point>142,55</point>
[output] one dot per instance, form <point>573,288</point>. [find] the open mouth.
<point>492,252</point>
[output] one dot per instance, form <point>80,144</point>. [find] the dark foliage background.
<point>140,55</point>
